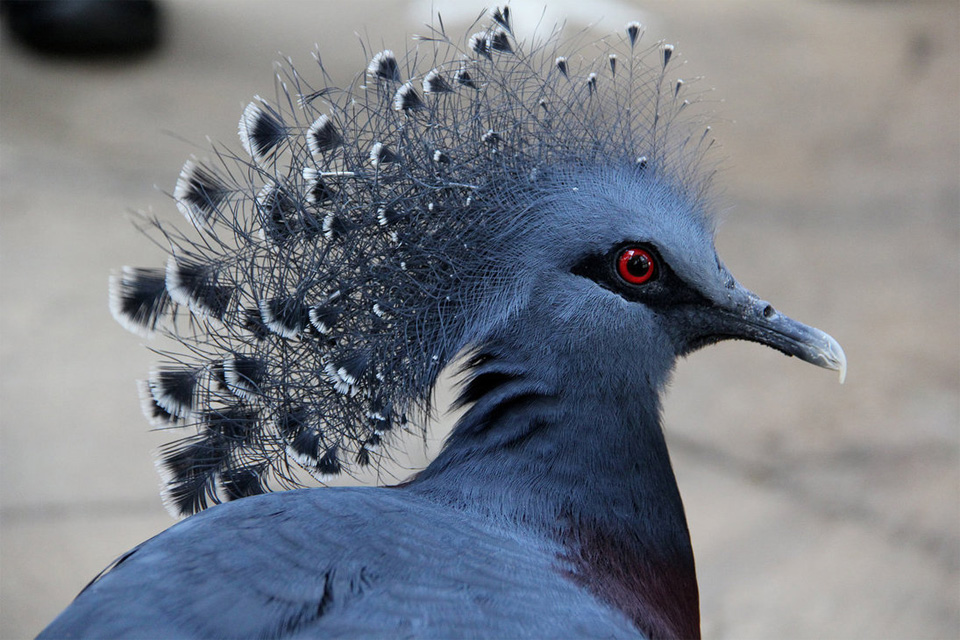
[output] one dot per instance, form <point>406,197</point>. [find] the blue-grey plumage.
<point>545,221</point>
<point>350,563</point>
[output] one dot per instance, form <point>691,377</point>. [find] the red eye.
<point>636,265</point>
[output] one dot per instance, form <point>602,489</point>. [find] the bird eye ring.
<point>636,265</point>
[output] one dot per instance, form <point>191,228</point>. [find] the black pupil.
<point>638,265</point>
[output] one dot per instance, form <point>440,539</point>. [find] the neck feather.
<point>584,465</point>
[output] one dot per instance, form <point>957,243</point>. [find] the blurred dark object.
<point>84,28</point>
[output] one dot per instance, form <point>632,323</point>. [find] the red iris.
<point>636,265</point>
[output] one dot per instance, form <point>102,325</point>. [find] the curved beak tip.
<point>823,351</point>
<point>835,358</point>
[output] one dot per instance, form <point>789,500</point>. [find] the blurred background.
<point>816,510</point>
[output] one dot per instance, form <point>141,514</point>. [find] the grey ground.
<point>816,510</point>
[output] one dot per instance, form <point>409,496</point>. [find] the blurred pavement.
<point>816,510</point>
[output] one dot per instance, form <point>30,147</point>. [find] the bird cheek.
<point>688,329</point>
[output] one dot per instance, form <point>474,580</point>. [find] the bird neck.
<point>583,464</point>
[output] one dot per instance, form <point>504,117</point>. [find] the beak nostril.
<point>769,311</point>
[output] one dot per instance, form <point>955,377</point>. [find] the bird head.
<point>375,233</point>
<point>616,251</point>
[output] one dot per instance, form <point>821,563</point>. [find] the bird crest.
<point>352,251</point>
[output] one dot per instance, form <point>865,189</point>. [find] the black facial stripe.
<point>665,289</point>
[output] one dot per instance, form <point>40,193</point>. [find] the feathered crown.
<point>334,271</point>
